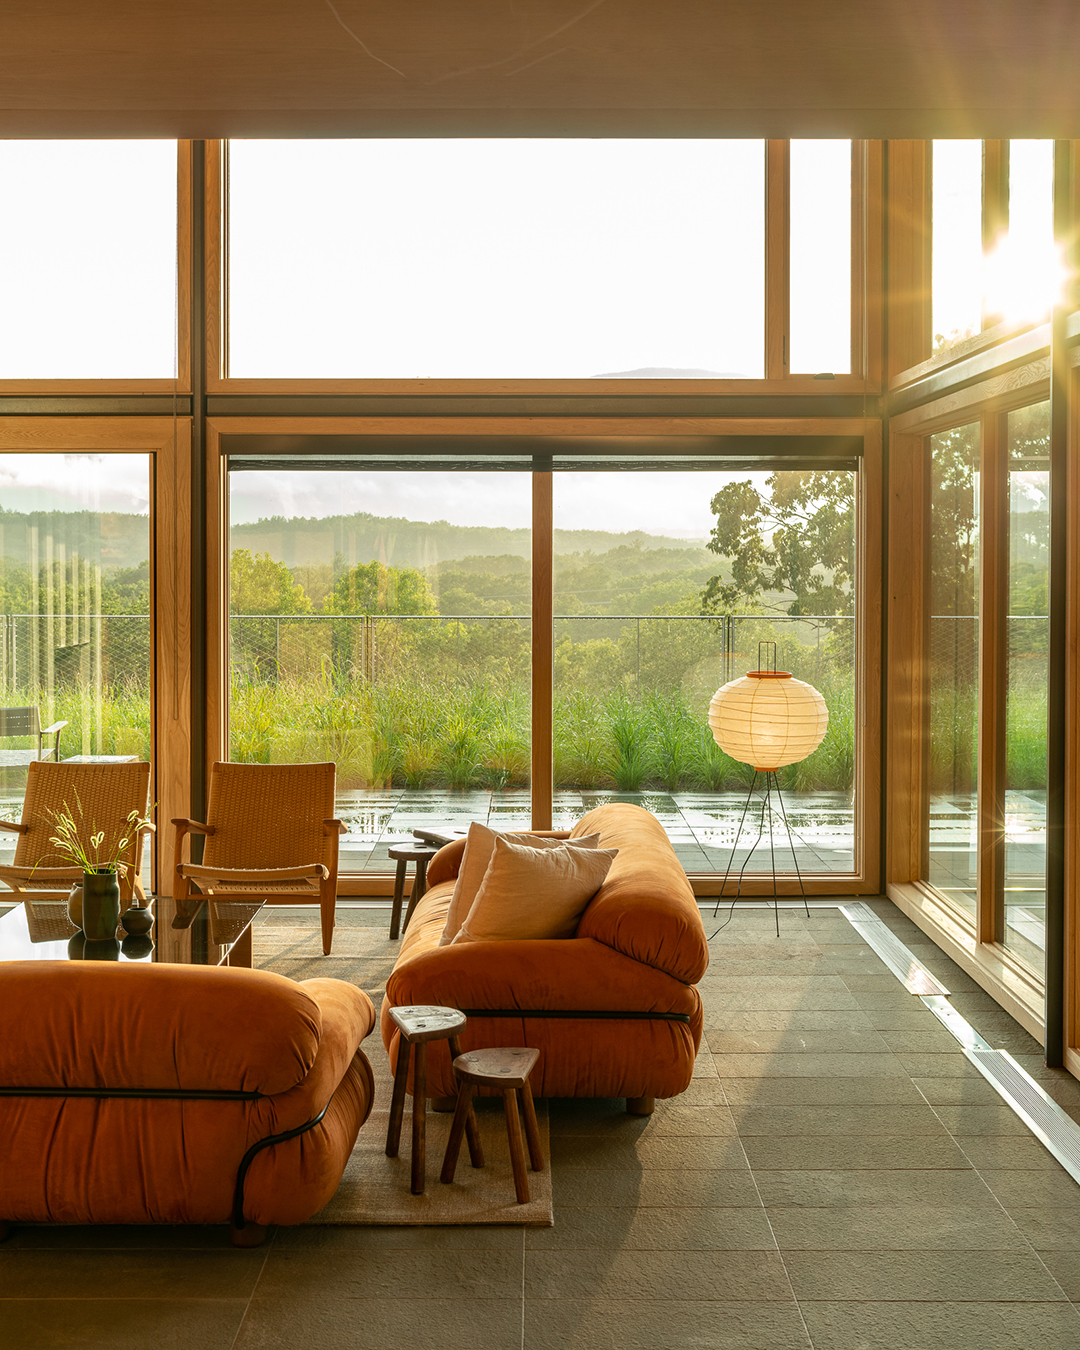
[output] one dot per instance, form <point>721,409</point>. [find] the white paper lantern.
<point>767,719</point>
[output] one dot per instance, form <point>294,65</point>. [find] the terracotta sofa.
<point>613,1010</point>
<point>177,1094</point>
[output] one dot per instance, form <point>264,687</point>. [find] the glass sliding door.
<point>75,626</point>
<point>665,583</point>
<point>1026,700</point>
<point>380,619</point>
<point>952,824</point>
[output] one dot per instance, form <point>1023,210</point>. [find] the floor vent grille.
<point>914,976</point>
<point>1039,1112</point>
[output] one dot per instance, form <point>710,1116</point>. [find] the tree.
<point>376,588</point>
<point>796,538</point>
<point>259,585</point>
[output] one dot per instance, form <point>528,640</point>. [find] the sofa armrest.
<point>567,975</point>
<point>348,1016</point>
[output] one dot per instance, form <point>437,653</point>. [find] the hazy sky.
<point>658,503</point>
<point>75,483</point>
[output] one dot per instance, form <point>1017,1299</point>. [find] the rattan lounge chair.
<point>100,797</point>
<point>270,835</point>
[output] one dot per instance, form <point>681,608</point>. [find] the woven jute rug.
<point>376,1189</point>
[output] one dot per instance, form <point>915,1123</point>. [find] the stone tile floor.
<point>837,1177</point>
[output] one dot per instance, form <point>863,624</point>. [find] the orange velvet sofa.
<point>177,1094</point>
<point>613,1011</point>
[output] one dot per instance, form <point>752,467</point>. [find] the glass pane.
<point>1025,719</point>
<point>378,620</point>
<point>88,259</point>
<point>664,585</point>
<point>957,242</point>
<point>1025,273</point>
<point>75,632</point>
<point>820,267</point>
<point>951,829</point>
<point>496,258</point>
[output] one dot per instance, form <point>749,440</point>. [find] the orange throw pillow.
<point>535,892</point>
<point>479,849</point>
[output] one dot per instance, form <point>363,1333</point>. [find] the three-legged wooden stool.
<point>418,1025</point>
<point>403,854</point>
<point>508,1070</point>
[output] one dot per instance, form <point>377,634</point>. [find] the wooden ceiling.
<point>208,68</point>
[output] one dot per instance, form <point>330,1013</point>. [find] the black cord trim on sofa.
<point>137,1094</point>
<point>591,1015</point>
<point>249,1157</point>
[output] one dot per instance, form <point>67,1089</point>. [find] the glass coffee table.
<point>40,930</point>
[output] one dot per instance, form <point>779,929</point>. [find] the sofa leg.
<point>251,1235</point>
<point>443,1103</point>
<point>640,1106</point>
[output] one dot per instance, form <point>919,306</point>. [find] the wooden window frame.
<point>167,443</point>
<point>866,311</point>
<point>974,942</point>
<point>181,382</point>
<point>865,879</point>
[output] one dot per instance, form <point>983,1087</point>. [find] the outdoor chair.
<point>270,837</point>
<point>27,722</point>
<point>97,797</point>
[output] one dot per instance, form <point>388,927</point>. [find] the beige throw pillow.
<point>479,847</point>
<point>535,892</point>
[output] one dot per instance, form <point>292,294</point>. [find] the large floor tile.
<point>584,1186</point>
<point>813,1091</point>
<point>895,1228</point>
<point>900,1325</point>
<point>849,1119</point>
<point>632,1275</point>
<point>873,1152</point>
<point>643,1229</point>
<point>797,1041</point>
<point>867,1187</point>
<point>606,1324</point>
<point>307,1318</point>
<point>36,1273</point>
<point>956,1276</point>
<point>366,1273</point>
<point>809,1065</point>
<point>120,1323</point>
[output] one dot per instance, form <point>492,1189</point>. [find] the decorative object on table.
<point>270,837</point>
<point>403,854</point>
<point>416,1027</point>
<point>74,904</point>
<point>97,798</point>
<point>102,861</point>
<point>438,837</point>
<point>137,920</point>
<point>101,905</point>
<point>137,947</point>
<point>768,720</point>
<point>101,949</point>
<point>507,1070</point>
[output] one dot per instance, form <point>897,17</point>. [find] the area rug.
<point>376,1189</point>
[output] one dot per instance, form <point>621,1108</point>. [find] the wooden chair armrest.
<point>56,726</point>
<point>147,827</point>
<point>182,823</point>
<point>250,876</point>
<point>334,827</point>
<point>14,827</point>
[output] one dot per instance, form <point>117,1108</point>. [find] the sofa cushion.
<point>646,907</point>
<point>164,1027</point>
<point>532,893</point>
<point>479,848</point>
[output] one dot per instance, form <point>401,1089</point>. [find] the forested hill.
<point>111,538</point>
<point>298,541</point>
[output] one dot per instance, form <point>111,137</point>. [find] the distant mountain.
<point>112,538</point>
<point>303,541</point>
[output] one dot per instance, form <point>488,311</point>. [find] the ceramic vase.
<point>137,920</point>
<point>100,905</point>
<point>74,905</point>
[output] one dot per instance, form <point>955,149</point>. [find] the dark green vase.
<point>101,905</point>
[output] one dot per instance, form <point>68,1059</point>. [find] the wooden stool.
<point>418,1025</point>
<point>403,854</point>
<point>508,1070</point>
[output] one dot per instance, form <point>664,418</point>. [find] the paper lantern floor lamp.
<point>766,719</point>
